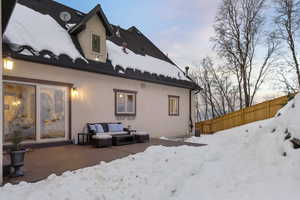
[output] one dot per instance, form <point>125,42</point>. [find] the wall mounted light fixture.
<point>74,92</point>
<point>8,63</point>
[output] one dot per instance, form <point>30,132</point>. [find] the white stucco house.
<point>72,68</point>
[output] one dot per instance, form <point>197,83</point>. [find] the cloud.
<point>189,27</point>
<point>190,50</point>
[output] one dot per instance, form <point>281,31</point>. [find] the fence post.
<point>243,116</point>
<point>269,109</point>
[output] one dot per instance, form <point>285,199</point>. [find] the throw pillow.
<point>99,128</point>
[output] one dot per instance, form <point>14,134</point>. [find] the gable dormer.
<point>91,33</point>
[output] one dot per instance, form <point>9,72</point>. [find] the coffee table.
<point>119,140</point>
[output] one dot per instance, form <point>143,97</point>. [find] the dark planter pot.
<point>17,161</point>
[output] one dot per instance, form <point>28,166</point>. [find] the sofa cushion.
<point>101,136</point>
<point>99,128</point>
<point>92,128</point>
<point>117,133</point>
<point>115,127</point>
<point>104,126</point>
<point>141,133</point>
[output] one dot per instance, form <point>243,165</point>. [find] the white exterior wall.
<point>96,102</point>
<point>1,67</point>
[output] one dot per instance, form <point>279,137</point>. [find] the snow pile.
<point>143,63</point>
<point>41,32</point>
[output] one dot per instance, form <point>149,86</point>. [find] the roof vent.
<point>187,70</point>
<point>124,47</point>
<point>118,34</point>
<point>65,16</point>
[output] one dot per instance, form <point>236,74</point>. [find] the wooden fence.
<point>254,113</point>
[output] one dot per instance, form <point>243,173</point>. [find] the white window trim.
<point>91,44</point>
<point>171,111</point>
<point>126,94</point>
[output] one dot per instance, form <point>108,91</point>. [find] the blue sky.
<point>180,29</point>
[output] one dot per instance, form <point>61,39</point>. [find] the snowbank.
<point>41,32</point>
<point>143,63</point>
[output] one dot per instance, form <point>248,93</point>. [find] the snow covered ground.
<point>249,162</point>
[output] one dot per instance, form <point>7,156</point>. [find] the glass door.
<point>19,110</point>
<point>39,112</point>
<point>53,112</point>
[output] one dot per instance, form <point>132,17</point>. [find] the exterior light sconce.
<point>8,63</point>
<point>74,92</point>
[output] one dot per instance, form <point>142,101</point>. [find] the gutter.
<point>191,125</point>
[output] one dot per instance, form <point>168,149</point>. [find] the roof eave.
<point>106,69</point>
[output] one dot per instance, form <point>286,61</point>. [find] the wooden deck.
<point>40,163</point>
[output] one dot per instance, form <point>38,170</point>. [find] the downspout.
<point>190,111</point>
<point>195,88</point>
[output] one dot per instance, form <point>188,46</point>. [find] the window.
<point>52,112</point>
<point>173,106</point>
<point>125,102</point>
<point>96,43</point>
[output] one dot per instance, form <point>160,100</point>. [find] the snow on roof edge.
<point>24,29</point>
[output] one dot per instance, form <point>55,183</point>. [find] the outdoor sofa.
<point>100,134</point>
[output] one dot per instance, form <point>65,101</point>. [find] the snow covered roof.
<point>35,24</point>
<point>41,32</point>
<point>143,63</point>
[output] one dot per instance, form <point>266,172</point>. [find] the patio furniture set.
<point>111,134</point>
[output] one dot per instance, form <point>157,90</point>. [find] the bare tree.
<point>239,35</point>
<point>288,25</point>
<point>286,80</point>
<point>219,93</point>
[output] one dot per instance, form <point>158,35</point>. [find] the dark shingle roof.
<point>6,13</point>
<point>137,42</point>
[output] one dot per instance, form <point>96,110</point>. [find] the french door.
<point>39,112</point>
